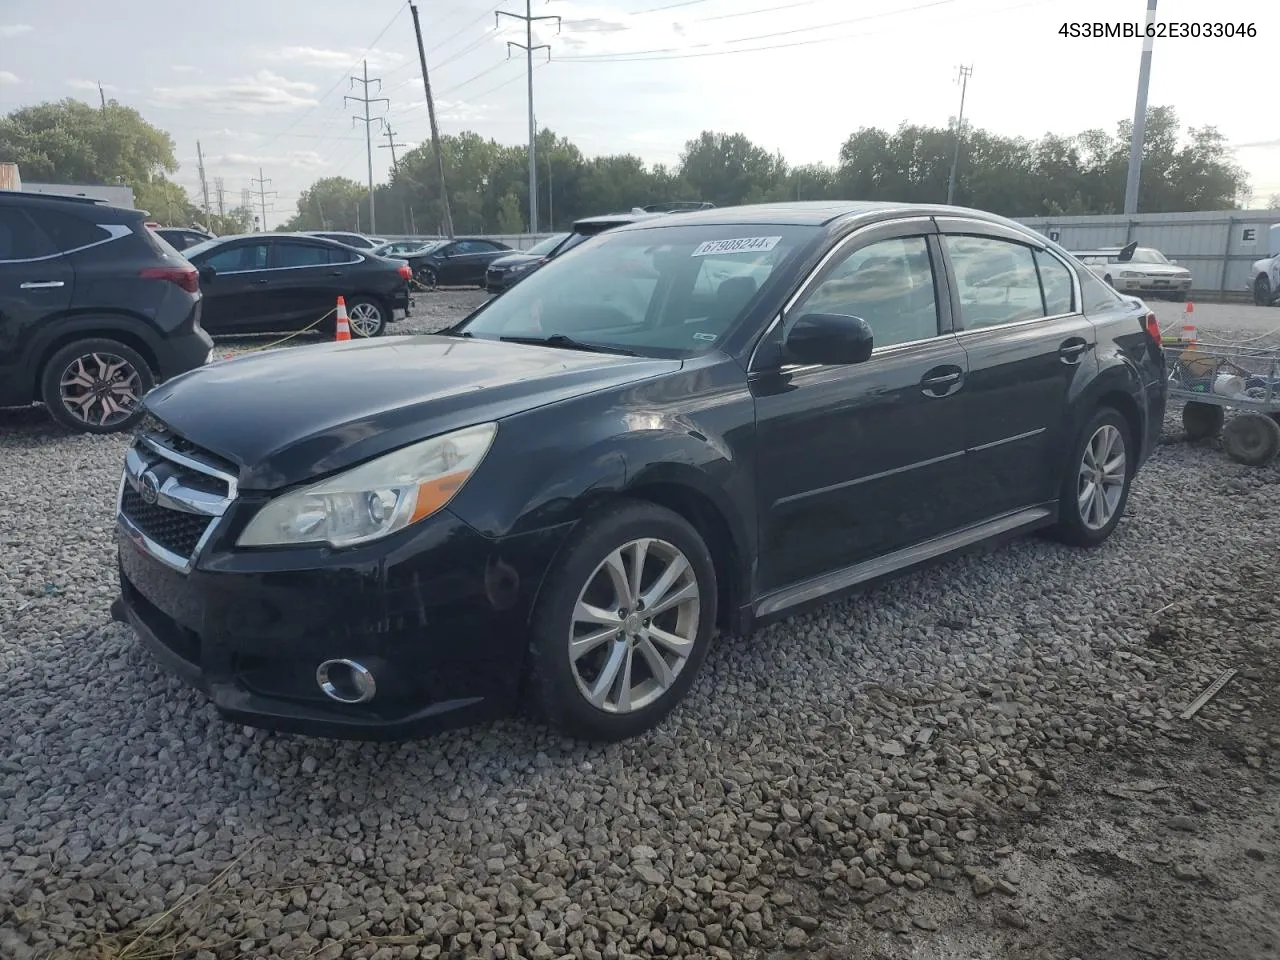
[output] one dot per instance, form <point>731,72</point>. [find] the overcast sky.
<point>261,82</point>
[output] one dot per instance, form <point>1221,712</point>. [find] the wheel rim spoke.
<point>677,645</point>
<point>639,553</point>
<point>618,575</point>
<point>619,655</point>
<point>589,613</point>
<point>663,675</point>
<point>584,645</point>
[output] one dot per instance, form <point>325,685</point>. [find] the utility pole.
<point>102,96</point>
<point>1139,117</point>
<point>204,184</point>
<point>368,130</point>
<point>435,130</point>
<point>963,80</point>
<point>395,171</point>
<point>220,191</point>
<point>262,182</point>
<point>528,47</point>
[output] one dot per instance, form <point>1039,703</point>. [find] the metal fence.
<point>1217,247</point>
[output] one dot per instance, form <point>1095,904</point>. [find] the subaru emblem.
<point>149,487</point>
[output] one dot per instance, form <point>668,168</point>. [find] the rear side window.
<point>997,281</point>
<point>301,254</point>
<point>20,239</point>
<point>68,232</point>
<point>342,256</point>
<point>249,256</point>
<point>1097,296</point>
<point>1055,279</point>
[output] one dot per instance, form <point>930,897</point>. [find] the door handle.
<point>45,285</point>
<point>335,273</point>
<point>259,283</point>
<point>939,381</point>
<point>1072,351</point>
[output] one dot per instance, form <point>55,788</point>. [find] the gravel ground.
<point>983,759</point>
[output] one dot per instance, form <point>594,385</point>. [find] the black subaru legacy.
<point>687,427</point>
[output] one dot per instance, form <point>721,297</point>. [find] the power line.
<point>963,80</point>
<point>262,181</point>
<point>528,47</point>
<point>368,122</point>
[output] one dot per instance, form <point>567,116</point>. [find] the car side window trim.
<point>845,246</point>
<point>307,266</point>
<point>963,226</point>
<point>116,231</point>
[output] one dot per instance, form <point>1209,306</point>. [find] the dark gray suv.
<point>95,310</point>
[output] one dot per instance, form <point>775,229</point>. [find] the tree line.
<point>70,141</point>
<point>1051,176</point>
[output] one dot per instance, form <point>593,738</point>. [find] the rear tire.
<point>1202,420</point>
<point>1095,489</point>
<point>580,691</point>
<point>96,386</point>
<point>367,317</point>
<point>1252,439</point>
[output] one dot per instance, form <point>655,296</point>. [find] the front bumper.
<point>1152,284</point>
<point>438,614</point>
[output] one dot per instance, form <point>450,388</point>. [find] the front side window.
<point>1055,279</point>
<point>997,281</point>
<point>670,291</point>
<point>249,256</point>
<point>889,284</point>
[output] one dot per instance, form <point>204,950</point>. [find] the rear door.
<point>36,285</point>
<point>1029,345</point>
<point>306,282</point>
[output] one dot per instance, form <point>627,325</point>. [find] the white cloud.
<point>263,92</point>
<point>297,159</point>
<point>6,78</point>
<point>184,68</point>
<point>10,30</point>
<point>336,59</point>
<point>89,85</point>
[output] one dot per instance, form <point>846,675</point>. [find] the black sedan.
<point>507,271</point>
<point>690,425</point>
<point>455,263</point>
<point>281,281</point>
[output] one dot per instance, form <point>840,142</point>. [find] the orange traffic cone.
<point>1188,323</point>
<point>343,327</point>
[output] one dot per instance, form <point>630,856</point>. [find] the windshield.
<point>543,247</point>
<point>670,291</point>
<point>1147,255</point>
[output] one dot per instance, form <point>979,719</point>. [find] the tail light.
<point>188,277</point>
<point>406,271</point>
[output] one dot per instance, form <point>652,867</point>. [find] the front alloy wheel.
<point>623,623</point>
<point>96,386</point>
<point>634,626</point>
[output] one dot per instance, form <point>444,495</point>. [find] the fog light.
<point>346,681</point>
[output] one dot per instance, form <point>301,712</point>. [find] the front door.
<point>1028,345</point>
<point>858,461</point>
<point>237,299</point>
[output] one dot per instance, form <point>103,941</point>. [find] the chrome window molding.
<point>116,231</point>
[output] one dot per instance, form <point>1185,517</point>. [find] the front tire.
<point>624,623</point>
<point>1095,488</point>
<point>1262,291</point>
<point>96,386</point>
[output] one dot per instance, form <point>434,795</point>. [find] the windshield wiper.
<point>568,343</point>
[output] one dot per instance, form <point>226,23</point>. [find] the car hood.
<point>291,415</point>
<point>515,260</point>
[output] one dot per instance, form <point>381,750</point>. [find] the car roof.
<point>100,207</point>
<point>818,213</point>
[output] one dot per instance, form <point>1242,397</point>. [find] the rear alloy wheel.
<point>367,318</point>
<point>426,277</point>
<point>1262,291</point>
<point>96,386</point>
<point>1096,486</point>
<point>1202,420</point>
<point>624,624</point>
<point>1252,439</point>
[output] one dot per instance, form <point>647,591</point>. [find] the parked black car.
<point>180,238</point>
<point>94,310</point>
<point>357,240</point>
<point>690,424</point>
<point>282,281</point>
<point>455,263</point>
<point>505,271</point>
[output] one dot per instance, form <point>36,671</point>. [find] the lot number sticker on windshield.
<point>738,245</point>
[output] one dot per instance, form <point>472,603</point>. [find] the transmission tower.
<point>528,47</point>
<point>263,193</point>
<point>220,191</point>
<point>367,120</point>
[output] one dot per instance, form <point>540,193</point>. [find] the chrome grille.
<point>172,495</point>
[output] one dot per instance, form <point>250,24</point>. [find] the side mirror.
<point>207,273</point>
<point>831,338</point>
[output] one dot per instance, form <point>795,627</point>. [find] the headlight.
<point>376,498</point>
